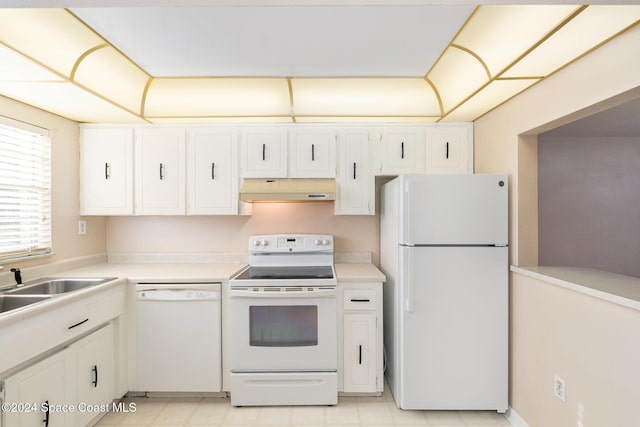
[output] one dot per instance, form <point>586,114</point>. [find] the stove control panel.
<point>283,243</point>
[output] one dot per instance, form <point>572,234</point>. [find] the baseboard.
<point>515,419</point>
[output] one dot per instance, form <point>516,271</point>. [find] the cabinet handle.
<point>213,171</point>
<point>264,149</point>
<point>107,171</point>
<point>313,152</point>
<point>360,354</point>
<point>161,171</point>
<point>446,153</point>
<point>78,324</point>
<point>46,415</point>
<point>402,150</point>
<point>95,376</point>
<point>354,170</point>
<point>360,300</point>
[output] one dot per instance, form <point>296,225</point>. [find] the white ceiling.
<point>313,41</point>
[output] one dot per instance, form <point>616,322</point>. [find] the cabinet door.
<point>360,352</point>
<point>95,370</point>
<point>449,150</point>
<point>265,153</point>
<point>312,153</point>
<point>401,151</point>
<point>106,171</point>
<point>355,183</point>
<point>212,172</point>
<point>43,385</point>
<point>160,177</point>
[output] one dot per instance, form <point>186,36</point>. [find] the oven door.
<point>283,329</point>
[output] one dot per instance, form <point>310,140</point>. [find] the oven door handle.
<point>320,293</point>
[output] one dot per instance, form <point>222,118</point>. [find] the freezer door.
<point>453,329</point>
<point>454,209</point>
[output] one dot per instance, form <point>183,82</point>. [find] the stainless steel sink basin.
<point>13,302</point>
<point>52,286</point>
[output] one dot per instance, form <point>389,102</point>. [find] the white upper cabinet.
<point>401,150</point>
<point>212,171</point>
<point>264,153</point>
<point>355,182</point>
<point>312,153</point>
<point>160,174</point>
<point>196,170</point>
<point>106,171</point>
<point>450,149</point>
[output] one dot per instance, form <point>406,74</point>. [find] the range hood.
<point>288,190</point>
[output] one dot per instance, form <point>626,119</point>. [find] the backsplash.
<point>229,234</point>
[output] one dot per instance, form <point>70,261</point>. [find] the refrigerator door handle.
<point>409,283</point>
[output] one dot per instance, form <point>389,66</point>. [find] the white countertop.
<point>166,272</point>
<point>358,272</point>
<point>181,272</point>
<point>615,288</point>
<point>169,272</point>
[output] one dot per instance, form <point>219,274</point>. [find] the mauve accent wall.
<point>589,203</point>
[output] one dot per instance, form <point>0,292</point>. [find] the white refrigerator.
<point>444,251</point>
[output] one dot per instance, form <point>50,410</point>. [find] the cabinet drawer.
<point>360,299</point>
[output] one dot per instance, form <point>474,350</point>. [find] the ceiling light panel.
<point>52,37</point>
<point>107,72</point>
<point>67,100</point>
<point>501,34</point>
<point>223,120</point>
<point>15,67</point>
<point>457,75</point>
<point>590,28</point>
<point>217,97</point>
<point>494,94</point>
<point>366,119</point>
<point>364,97</point>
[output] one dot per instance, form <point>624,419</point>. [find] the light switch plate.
<point>82,228</point>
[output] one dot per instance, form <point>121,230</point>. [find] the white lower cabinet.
<point>94,369</point>
<point>361,350</point>
<point>35,395</point>
<point>66,388</point>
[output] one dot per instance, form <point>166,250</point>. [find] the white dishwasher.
<point>178,337</point>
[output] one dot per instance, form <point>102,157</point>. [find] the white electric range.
<point>283,323</point>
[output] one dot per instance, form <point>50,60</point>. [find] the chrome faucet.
<point>17,275</point>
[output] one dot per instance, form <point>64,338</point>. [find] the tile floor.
<point>350,412</point>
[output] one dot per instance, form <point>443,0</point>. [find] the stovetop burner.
<point>287,273</point>
<point>288,260</point>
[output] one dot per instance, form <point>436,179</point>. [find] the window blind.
<point>25,190</point>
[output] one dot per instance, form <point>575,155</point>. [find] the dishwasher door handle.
<point>177,295</point>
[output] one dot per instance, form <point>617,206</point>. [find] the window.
<point>25,190</point>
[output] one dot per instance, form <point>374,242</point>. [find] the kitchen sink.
<point>53,286</point>
<point>12,302</point>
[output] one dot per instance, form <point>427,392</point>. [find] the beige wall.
<point>159,234</point>
<point>65,186</point>
<point>593,345</point>
<point>568,333</point>
<point>503,138</point>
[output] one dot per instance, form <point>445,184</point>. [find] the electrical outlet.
<point>559,388</point>
<point>82,228</point>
